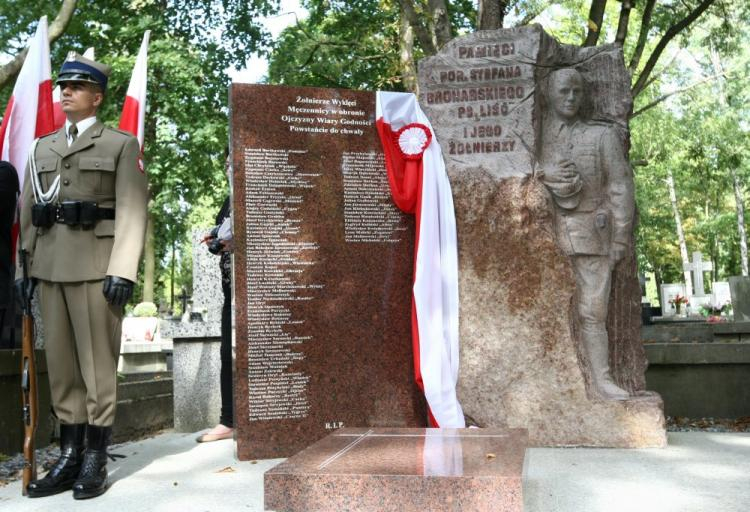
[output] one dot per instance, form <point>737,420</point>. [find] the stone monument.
<point>403,470</point>
<point>534,135</point>
<point>322,272</point>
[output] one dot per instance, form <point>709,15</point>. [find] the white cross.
<point>697,267</point>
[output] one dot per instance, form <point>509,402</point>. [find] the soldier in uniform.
<point>83,219</point>
<point>585,168</point>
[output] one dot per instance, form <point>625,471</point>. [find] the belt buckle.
<point>59,215</point>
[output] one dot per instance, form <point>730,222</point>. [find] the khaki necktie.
<point>73,131</point>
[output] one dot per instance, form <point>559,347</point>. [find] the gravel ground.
<point>681,424</point>
<point>11,468</point>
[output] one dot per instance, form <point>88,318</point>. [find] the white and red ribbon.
<point>134,110</point>
<point>28,114</point>
<point>419,185</point>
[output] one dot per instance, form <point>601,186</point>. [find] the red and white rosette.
<point>412,140</point>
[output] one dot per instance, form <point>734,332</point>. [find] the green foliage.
<point>341,44</point>
<point>145,309</point>
<point>352,45</point>
<point>701,136</point>
<point>192,44</point>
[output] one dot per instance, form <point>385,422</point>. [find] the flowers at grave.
<point>709,310</point>
<point>678,300</point>
<point>715,319</point>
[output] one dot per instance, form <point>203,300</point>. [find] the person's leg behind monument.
<point>594,278</point>
<point>227,394</point>
<point>68,393</point>
<point>97,328</point>
<point>225,428</point>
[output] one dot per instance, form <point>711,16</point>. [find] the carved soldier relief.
<point>583,165</point>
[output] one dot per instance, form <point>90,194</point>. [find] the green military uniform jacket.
<point>102,165</point>
<point>599,211</point>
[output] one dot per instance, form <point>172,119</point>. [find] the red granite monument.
<point>322,272</point>
<point>403,470</point>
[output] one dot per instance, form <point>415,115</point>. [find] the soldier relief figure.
<point>584,167</point>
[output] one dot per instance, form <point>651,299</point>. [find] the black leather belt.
<point>72,213</point>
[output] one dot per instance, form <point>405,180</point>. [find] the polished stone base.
<point>403,469</point>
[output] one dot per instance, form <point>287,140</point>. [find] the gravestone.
<point>323,272</point>
<point>535,352</point>
<point>720,293</point>
<point>739,287</point>
<point>669,291</point>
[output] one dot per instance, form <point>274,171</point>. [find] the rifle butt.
<point>30,401</point>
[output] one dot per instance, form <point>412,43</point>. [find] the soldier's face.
<point>566,93</point>
<point>79,100</point>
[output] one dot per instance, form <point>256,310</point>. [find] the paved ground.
<point>697,472</point>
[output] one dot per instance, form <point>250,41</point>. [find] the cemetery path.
<point>697,472</point>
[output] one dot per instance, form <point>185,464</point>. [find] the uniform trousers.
<point>594,280</point>
<point>82,344</point>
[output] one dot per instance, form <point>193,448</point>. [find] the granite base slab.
<point>403,469</point>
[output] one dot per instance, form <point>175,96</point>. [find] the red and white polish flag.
<point>419,185</point>
<point>134,109</point>
<point>56,106</point>
<point>28,114</point>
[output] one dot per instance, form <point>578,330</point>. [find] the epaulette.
<point>121,132</point>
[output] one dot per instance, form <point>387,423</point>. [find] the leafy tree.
<point>192,43</point>
<point>361,44</point>
<point>13,17</point>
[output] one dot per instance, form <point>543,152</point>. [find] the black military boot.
<point>92,480</point>
<point>65,471</point>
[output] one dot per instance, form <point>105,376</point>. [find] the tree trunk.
<point>491,14</point>
<point>171,279</point>
<point>425,38</point>
<point>440,22</point>
<point>56,29</point>
<point>680,233</point>
<point>736,185</point>
<point>596,16</point>
<point>406,55</point>
<point>740,220</point>
<point>149,262</point>
<point>640,45</point>
<point>622,25</point>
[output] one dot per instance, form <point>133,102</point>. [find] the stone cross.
<point>183,300</point>
<point>642,280</point>
<point>697,267</point>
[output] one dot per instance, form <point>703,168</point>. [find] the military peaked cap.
<point>78,68</point>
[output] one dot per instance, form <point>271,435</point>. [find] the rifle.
<point>28,376</point>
